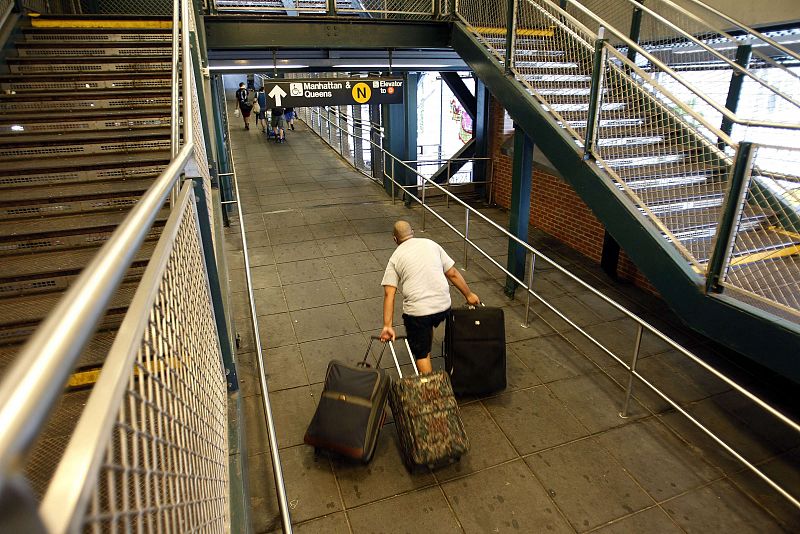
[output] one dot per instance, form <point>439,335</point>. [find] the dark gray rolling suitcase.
<point>427,417</point>
<point>475,350</point>
<point>351,409</point>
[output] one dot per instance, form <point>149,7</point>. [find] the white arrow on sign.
<point>277,93</point>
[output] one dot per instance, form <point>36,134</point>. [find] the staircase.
<point>656,179</point>
<point>84,131</point>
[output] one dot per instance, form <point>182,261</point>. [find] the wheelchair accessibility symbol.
<point>361,92</point>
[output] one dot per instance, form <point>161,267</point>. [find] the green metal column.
<point>595,93</point>
<point>480,132</point>
<point>376,156</point>
<point>743,55</point>
<point>511,37</point>
<point>400,131</point>
<point>731,212</point>
<point>519,213</point>
<point>214,285</point>
<point>220,133</point>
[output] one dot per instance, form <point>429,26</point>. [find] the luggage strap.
<point>350,399</point>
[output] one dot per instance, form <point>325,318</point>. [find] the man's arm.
<point>457,280</point>
<point>388,313</point>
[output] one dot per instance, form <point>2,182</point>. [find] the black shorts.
<point>419,331</point>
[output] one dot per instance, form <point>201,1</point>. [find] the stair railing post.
<point>595,93</point>
<point>466,235</point>
<point>731,213</point>
<point>743,55</point>
<point>624,413</point>
<point>636,29</point>
<point>511,35</point>
<point>530,288</point>
<point>332,8</point>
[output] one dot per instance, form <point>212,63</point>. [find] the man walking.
<point>423,268</point>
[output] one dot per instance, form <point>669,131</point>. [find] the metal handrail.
<point>34,382</point>
<point>734,66</point>
<point>277,470</point>
<point>738,24</point>
<point>663,67</point>
<point>643,325</point>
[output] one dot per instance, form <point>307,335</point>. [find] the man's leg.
<point>424,365</point>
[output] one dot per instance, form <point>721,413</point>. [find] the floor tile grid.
<point>330,464</point>
<point>476,401</point>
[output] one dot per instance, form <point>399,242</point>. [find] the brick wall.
<point>555,207</point>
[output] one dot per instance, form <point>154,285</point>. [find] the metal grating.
<point>164,462</point>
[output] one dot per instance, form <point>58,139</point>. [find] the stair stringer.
<point>756,334</point>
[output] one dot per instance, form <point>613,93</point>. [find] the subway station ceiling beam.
<point>242,33</point>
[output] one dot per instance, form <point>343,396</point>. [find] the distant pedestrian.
<point>261,116</point>
<point>289,115</point>
<point>279,124</point>
<point>244,105</point>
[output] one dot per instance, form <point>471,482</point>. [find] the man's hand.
<point>473,299</point>
<point>387,334</point>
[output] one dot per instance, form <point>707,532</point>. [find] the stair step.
<point>74,191</point>
<point>53,226</point>
<point>91,238</point>
<point>44,50</point>
<point>59,103</point>
<point>50,84</point>
<point>106,166</point>
<point>73,65</point>
<point>86,35</point>
<point>85,121</point>
<point>38,202</point>
<point>762,239</point>
<point>669,199</point>
<point>20,316</point>
<point>96,143</point>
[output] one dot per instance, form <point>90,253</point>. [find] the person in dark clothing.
<point>289,115</point>
<point>244,104</point>
<point>279,124</point>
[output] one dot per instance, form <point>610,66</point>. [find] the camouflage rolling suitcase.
<point>351,409</point>
<point>427,418</point>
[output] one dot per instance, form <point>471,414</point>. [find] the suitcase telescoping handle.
<point>394,354</point>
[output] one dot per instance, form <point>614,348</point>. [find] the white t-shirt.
<point>419,264</point>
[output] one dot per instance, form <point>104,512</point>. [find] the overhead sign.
<point>334,92</point>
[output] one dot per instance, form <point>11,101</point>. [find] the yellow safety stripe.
<point>83,378</point>
<point>38,22</point>
<point>767,254</point>
<point>793,235</point>
<point>525,32</point>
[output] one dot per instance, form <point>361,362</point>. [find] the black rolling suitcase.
<point>475,350</point>
<point>351,409</point>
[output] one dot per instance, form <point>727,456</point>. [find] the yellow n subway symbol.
<point>361,92</point>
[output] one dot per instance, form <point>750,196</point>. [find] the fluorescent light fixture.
<point>399,65</point>
<point>17,128</point>
<point>256,67</point>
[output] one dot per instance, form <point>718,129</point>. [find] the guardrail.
<point>389,9</point>
<point>150,450</point>
<point>471,216</point>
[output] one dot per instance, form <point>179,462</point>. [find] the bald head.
<point>402,231</point>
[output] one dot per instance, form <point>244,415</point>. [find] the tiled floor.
<point>549,454</point>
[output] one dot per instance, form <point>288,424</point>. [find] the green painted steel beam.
<point>761,336</point>
<point>251,32</point>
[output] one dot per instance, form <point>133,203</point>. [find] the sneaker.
<point>246,126</point>
<point>292,126</point>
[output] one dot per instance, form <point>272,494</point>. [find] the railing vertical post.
<point>743,55</point>
<point>331,8</point>
<point>626,404</point>
<point>466,237</point>
<point>511,35</point>
<point>731,213</point>
<point>636,29</point>
<point>447,185</point>
<point>423,203</point>
<point>392,178</point>
<point>595,92</point>
<point>436,9</point>
<point>530,288</point>
<point>214,286</point>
